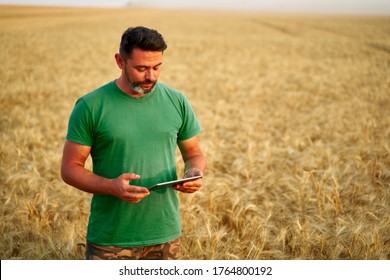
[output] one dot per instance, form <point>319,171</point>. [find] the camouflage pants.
<point>166,251</point>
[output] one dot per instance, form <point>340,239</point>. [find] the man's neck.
<point>125,87</point>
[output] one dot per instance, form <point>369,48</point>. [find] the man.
<point>131,127</point>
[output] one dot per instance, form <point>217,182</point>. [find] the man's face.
<point>142,70</point>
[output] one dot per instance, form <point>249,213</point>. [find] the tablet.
<point>172,183</point>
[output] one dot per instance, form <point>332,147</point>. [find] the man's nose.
<point>150,75</point>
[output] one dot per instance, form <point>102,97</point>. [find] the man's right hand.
<point>122,190</point>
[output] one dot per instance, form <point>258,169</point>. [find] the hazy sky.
<point>327,6</point>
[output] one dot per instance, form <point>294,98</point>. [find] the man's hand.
<point>191,186</point>
<point>122,190</point>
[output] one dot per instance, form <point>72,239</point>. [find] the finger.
<point>137,189</point>
<point>191,184</point>
<point>188,188</point>
<point>130,176</point>
<point>196,181</point>
<point>133,201</point>
<point>135,197</point>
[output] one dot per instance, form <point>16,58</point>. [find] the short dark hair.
<point>143,38</point>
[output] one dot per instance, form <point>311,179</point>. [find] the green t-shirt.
<point>130,135</point>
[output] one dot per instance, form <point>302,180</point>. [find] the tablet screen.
<point>172,183</point>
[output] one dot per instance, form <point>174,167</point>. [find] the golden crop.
<point>295,117</point>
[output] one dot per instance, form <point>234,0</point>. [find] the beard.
<point>137,86</point>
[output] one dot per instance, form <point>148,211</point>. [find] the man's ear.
<point>119,61</point>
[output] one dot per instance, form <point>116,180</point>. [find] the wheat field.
<point>295,117</point>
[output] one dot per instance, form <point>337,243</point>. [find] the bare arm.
<point>194,164</point>
<point>74,173</point>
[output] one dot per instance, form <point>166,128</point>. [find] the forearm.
<point>74,173</point>
<point>83,179</point>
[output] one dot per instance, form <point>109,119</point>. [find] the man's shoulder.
<point>99,93</point>
<point>170,91</point>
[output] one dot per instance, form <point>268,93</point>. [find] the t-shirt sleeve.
<point>190,126</point>
<point>80,125</point>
